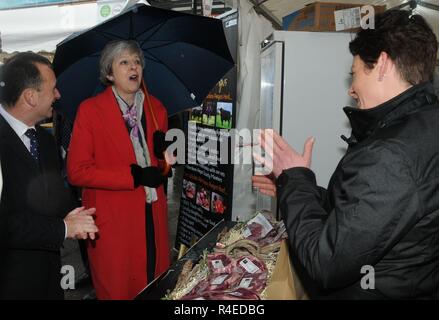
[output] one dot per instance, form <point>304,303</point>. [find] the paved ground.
<point>71,255</point>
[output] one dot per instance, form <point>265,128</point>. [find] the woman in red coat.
<point>111,156</point>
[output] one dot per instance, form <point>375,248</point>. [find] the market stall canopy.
<point>39,25</point>
<point>275,10</point>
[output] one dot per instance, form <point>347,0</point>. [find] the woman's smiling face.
<point>364,84</point>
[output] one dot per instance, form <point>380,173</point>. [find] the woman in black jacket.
<point>374,233</point>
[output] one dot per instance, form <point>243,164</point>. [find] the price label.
<point>220,279</point>
<point>245,283</point>
<point>249,266</point>
<point>217,264</point>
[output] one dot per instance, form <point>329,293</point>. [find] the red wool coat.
<point>99,159</point>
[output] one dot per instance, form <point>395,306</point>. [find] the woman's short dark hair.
<point>20,72</point>
<point>407,39</point>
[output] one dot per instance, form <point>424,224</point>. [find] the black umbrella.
<point>185,56</point>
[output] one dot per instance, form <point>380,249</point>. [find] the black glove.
<point>160,144</point>
<point>148,176</point>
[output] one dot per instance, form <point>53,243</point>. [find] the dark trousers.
<point>150,243</point>
<point>30,275</point>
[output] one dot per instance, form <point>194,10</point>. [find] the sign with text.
<point>208,175</point>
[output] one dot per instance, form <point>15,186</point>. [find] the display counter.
<point>157,289</point>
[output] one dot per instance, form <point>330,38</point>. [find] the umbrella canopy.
<point>185,56</point>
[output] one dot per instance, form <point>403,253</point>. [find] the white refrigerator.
<point>304,84</point>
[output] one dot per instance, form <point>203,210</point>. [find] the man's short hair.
<point>20,72</point>
<point>407,39</point>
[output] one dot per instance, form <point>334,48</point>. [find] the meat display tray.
<point>157,289</point>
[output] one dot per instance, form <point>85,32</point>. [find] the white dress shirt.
<point>20,129</point>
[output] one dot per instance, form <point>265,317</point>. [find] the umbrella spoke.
<point>172,71</point>
<point>150,57</point>
<point>163,43</point>
<point>108,35</point>
<point>130,37</point>
<point>157,27</point>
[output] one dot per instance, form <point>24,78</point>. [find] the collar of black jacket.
<point>365,122</point>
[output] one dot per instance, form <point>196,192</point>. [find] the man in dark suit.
<point>36,209</point>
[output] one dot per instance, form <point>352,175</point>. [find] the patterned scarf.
<point>132,116</point>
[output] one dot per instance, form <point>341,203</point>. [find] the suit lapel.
<point>113,124</point>
<point>12,143</point>
<point>44,151</point>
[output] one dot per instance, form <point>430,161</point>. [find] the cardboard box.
<point>285,284</point>
<point>328,16</point>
